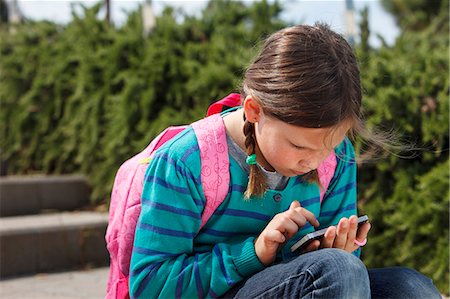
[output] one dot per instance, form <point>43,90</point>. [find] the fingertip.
<point>316,244</point>
<point>330,233</point>
<point>295,204</point>
<point>316,223</point>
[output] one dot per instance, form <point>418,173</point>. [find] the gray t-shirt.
<point>275,181</point>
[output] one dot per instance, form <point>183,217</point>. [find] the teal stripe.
<point>334,213</point>
<point>166,231</point>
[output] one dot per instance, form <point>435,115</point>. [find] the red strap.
<point>167,135</point>
<point>232,100</point>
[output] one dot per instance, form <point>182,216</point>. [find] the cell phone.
<point>317,235</point>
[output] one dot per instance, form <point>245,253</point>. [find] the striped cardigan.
<point>173,259</point>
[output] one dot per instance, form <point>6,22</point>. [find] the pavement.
<point>84,284</point>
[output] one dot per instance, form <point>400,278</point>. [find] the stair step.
<point>87,284</point>
<point>52,242</point>
<point>22,195</point>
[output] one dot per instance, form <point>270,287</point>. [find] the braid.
<point>312,177</point>
<point>256,180</point>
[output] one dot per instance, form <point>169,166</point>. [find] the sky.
<point>295,11</point>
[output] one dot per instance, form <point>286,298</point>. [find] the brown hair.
<point>307,76</point>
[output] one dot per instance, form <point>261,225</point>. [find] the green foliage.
<point>84,97</point>
<point>87,96</point>
<point>4,14</point>
<point>407,89</point>
<point>415,14</point>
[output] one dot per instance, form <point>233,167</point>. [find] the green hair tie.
<point>251,160</point>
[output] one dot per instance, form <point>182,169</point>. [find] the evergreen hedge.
<point>407,89</point>
<point>84,97</point>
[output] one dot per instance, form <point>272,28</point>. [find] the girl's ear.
<point>252,109</point>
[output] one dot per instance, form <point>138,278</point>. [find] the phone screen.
<point>317,235</point>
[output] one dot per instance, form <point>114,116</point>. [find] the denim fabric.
<point>326,273</point>
<point>399,283</point>
<point>333,273</point>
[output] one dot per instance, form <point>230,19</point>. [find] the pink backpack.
<point>125,205</point>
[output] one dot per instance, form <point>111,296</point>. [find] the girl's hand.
<point>280,229</point>
<point>343,236</point>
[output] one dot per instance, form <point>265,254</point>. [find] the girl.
<point>301,97</point>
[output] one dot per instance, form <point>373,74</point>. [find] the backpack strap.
<point>215,172</point>
<point>159,140</point>
<point>326,172</point>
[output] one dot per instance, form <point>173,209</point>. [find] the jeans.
<point>333,273</point>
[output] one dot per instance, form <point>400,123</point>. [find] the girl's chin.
<point>293,173</point>
<point>290,173</point>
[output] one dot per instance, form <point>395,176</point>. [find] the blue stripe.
<point>179,288</point>
<point>198,202</point>
<point>212,294</point>
<point>338,191</point>
<point>310,201</point>
<point>345,167</point>
<point>152,252</point>
<point>218,233</point>
<point>181,170</point>
<point>189,151</point>
<point>166,231</point>
<point>346,163</point>
<point>150,268</point>
<point>198,279</point>
<point>161,182</point>
<point>241,213</point>
<point>146,280</point>
<point>171,209</point>
<point>238,188</point>
<point>228,279</point>
<point>349,207</point>
<point>341,154</point>
<point>202,249</point>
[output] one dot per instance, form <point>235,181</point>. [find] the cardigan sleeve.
<point>340,199</point>
<point>164,261</point>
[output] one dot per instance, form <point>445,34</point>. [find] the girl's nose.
<point>314,160</point>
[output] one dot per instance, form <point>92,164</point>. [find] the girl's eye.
<point>298,147</point>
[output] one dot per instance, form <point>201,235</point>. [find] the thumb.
<point>294,204</point>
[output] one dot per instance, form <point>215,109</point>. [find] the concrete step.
<point>68,285</point>
<point>22,195</point>
<point>52,242</point>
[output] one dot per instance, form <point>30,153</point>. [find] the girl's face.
<point>292,150</point>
